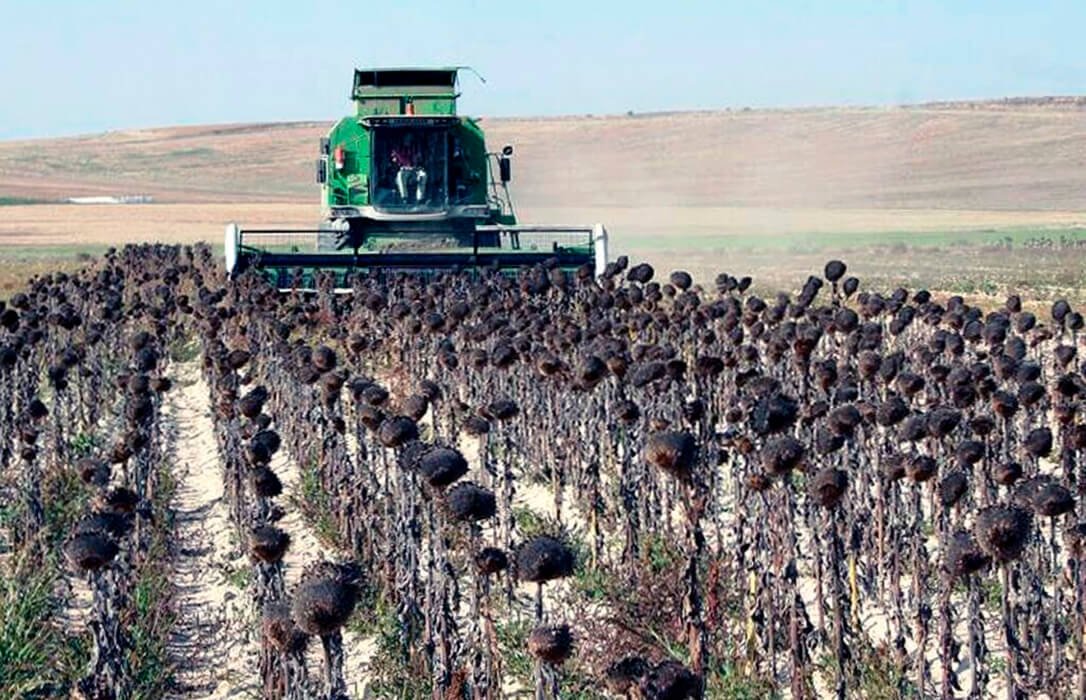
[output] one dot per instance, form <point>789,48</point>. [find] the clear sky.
<point>87,66</point>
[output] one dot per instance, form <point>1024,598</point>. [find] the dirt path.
<point>213,646</point>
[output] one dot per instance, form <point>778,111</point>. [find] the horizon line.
<point>1055,102</point>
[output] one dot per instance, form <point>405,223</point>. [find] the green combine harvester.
<point>407,184</point>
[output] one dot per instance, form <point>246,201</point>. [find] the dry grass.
<point>107,224</point>
<point>641,228</point>
<point>976,253</point>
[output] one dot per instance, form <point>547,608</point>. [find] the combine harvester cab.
<point>406,184</point>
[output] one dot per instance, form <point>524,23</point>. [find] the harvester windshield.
<point>410,169</point>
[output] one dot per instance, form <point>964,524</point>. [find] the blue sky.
<point>78,67</point>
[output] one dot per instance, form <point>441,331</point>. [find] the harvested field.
<point>968,156</point>
<point>977,253</point>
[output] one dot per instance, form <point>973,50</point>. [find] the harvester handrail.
<point>280,231</point>
<point>535,228</point>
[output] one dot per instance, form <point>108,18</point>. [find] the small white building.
<point>107,199</point>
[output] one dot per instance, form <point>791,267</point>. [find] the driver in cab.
<point>407,158</point>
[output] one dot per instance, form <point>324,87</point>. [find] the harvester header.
<point>407,183</point>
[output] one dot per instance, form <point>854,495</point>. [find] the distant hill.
<point>1013,154</point>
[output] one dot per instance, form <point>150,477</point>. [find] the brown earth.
<point>953,167</point>
<point>1025,155</point>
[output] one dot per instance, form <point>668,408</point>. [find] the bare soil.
<point>213,646</point>
<point>1023,155</point>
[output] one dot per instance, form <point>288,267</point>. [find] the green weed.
<point>36,657</point>
<point>313,501</point>
<point>83,444</point>
<point>660,554</point>
<point>593,582</point>
<point>513,642</point>
<point>184,350</point>
<point>528,523</point>
<point>726,680</point>
<point>397,671</point>
<point>239,577</point>
<point>149,624</point>
<point>880,676</point>
<point>65,501</point>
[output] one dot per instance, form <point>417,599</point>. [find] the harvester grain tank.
<point>406,183</point>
